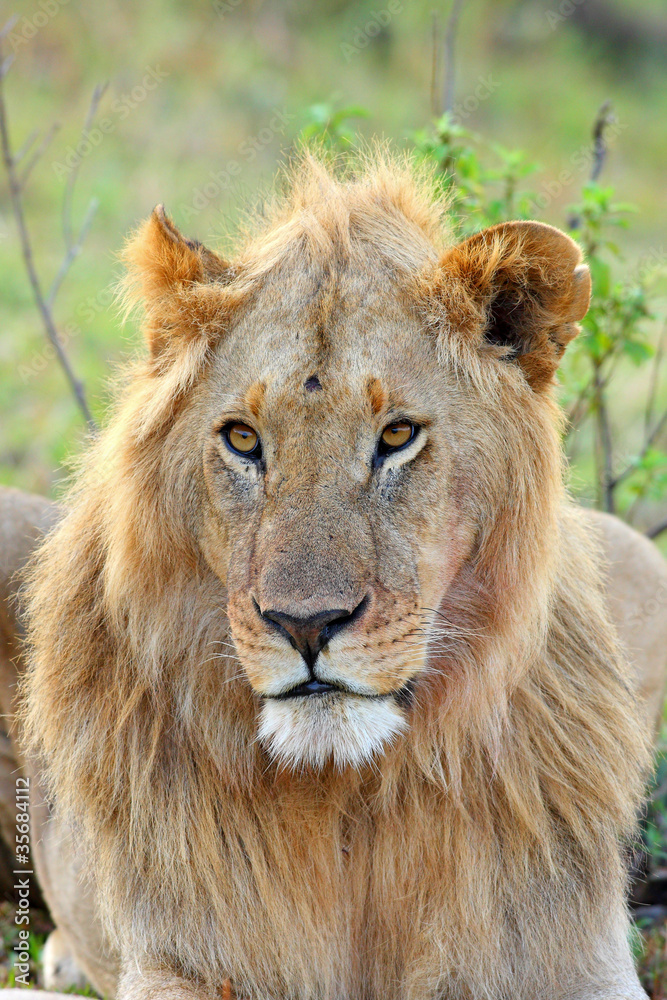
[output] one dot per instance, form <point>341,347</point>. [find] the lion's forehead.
<point>326,349</point>
<point>331,401</point>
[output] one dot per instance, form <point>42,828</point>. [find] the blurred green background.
<point>205,99</point>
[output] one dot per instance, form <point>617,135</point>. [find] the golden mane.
<point>529,758</point>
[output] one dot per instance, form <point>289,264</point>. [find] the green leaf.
<point>637,351</point>
<point>601,276</point>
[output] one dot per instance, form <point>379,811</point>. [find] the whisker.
<point>451,624</point>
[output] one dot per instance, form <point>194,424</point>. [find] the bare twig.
<point>604,446</point>
<point>25,148</point>
<point>5,66</point>
<point>73,246</point>
<point>72,252</point>
<point>72,177</point>
<point>450,55</point>
<point>577,411</point>
<point>37,155</point>
<point>580,408</point>
<point>654,380</point>
<point>435,51</point>
<point>8,27</point>
<point>648,443</point>
<point>604,117</point>
<point>15,194</point>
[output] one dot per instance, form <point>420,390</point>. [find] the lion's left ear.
<point>172,277</point>
<point>521,286</point>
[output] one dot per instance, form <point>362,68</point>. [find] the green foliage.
<point>481,195</point>
<point>330,126</point>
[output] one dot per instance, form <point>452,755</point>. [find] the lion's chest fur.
<point>339,902</point>
<point>320,896</point>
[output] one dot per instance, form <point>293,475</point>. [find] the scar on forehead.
<point>312,384</point>
<point>377,394</point>
<point>254,397</point>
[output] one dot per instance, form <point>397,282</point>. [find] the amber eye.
<point>397,435</point>
<point>243,440</point>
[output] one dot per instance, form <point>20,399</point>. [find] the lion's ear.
<point>526,289</point>
<point>171,277</point>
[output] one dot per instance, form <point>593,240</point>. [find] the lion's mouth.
<point>312,687</point>
<point>315,687</point>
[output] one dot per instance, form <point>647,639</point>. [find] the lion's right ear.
<point>518,289</point>
<point>173,278</point>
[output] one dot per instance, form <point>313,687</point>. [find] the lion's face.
<point>330,467</point>
<point>361,436</point>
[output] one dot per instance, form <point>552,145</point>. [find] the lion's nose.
<point>310,634</point>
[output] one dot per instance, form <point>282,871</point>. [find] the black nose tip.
<point>310,634</point>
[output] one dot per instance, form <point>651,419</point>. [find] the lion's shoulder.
<point>24,517</point>
<point>635,583</point>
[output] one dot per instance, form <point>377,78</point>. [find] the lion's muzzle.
<point>325,642</point>
<point>309,634</point>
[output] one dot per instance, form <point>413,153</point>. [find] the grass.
<point>652,958</point>
<point>41,925</point>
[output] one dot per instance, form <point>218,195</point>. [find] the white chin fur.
<point>312,730</point>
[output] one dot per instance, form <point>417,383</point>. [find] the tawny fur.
<point>481,854</point>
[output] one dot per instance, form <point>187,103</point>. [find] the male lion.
<point>321,683</point>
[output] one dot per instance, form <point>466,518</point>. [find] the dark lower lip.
<point>308,689</point>
<point>403,696</point>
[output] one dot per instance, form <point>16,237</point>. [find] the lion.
<point>322,689</point>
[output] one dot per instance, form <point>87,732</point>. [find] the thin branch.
<point>37,155</point>
<point>605,447</point>
<point>580,408</point>
<point>577,411</point>
<point>73,251</point>
<point>604,117</point>
<point>648,443</point>
<point>435,107</point>
<point>26,248</point>
<point>73,246</point>
<point>72,177</point>
<point>26,146</point>
<point>5,66</point>
<point>654,380</point>
<point>450,55</point>
<point>8,27</point>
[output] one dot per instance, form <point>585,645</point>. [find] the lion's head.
<point>354,431</point>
